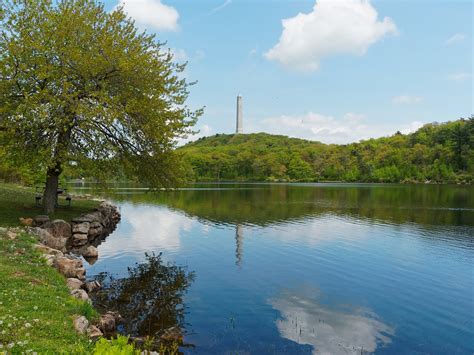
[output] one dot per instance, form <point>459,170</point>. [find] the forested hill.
<point>436,152</point>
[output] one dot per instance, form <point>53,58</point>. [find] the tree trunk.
<point>51,191</point>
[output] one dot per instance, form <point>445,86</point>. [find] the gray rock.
<point>40,220</point>
<point>70,267</point>
<point>94,332</point>
<point>74,284</point>
<point>58,228</point>
<point>82,228</point>
<point>90,252</point>
<point>81,324</point>
<point>81,219</point>
<point>80,294</point>
<point>50,259</point>
<point>47,250</point>
<point>91,286</point>
<point>79,239</point>
<point>107,322</point>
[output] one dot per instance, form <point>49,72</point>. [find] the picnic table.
<point>39,190</point>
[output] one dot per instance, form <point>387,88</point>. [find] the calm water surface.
<point>298,269</point>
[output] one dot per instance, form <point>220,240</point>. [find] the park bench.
<point>39,193</point>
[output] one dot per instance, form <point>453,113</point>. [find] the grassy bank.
<point>17,201</point>
<point>36,310</point>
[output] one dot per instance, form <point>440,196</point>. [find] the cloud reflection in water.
<point>146,228</point>
<point>306,321</point>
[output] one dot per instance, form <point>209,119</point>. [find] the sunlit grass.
<point>36,310</point>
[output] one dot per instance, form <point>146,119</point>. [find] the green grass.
<point>17,201</point>
<point>36,310</point>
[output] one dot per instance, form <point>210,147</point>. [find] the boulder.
<point>172,334</point>
<point>26,221</point>
<point>51,241</point>
<point>82,228</point>
<point>96,229</point>
<point>90,252</point>
<point>91,286</point>
<point>80,294</point>
<point>11,235</point>
<point>70,267</point>
<point>40,220</point>
<point>81,324</point>
<point>47,250</point>
<point>108,322</point>
<point>94,332</point>
<point>79,239</point>
<point>81,219</point>
<point>58,228</point>
<point>74,284</point>
<point>50,259</point>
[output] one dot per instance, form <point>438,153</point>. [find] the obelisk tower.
<point>239,128</point>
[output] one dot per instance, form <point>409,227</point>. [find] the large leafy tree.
<point>81,84</point>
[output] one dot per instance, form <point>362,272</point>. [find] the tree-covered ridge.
<point>437,152</point>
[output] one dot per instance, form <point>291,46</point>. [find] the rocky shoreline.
<point>64,243</point>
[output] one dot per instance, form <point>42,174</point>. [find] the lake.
<point>295,268</point>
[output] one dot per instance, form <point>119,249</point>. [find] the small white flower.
<point>35,308</point>
<point>1,322</point>
<point>27,325</point>
<point>36,320</point>
<point>11,345</point>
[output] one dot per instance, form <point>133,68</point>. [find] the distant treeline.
<point>437,152</point>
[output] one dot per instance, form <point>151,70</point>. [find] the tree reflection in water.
<point>150,299</point>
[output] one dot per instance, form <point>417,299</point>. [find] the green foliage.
<point>119,345</point>
<point>81,84</point>
<point>436,153</point>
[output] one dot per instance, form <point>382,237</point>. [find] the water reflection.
<point>150,299</point>
<point>306,321</point>
<point>239,244</point>
<point>149,228</point>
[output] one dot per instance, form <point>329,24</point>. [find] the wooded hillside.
<point>436,152</point>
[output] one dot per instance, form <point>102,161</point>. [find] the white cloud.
<point>204,131</point>
<point>456,38</point>
<point>407,99</point>
<point>459,76</point>
<point>152,14</point>
<point>333,27</point>
<point>179,55</point>
<point>352,127</point>
<point>220,7</point>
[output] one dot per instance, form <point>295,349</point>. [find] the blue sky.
<point>339,71</point>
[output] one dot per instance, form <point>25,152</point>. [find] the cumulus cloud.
<point>331,28</point>
<point>456,38</point>
<point>152,14</point>
<point>351,127</point>
<point>459,76</point>
<point>407,99</point>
